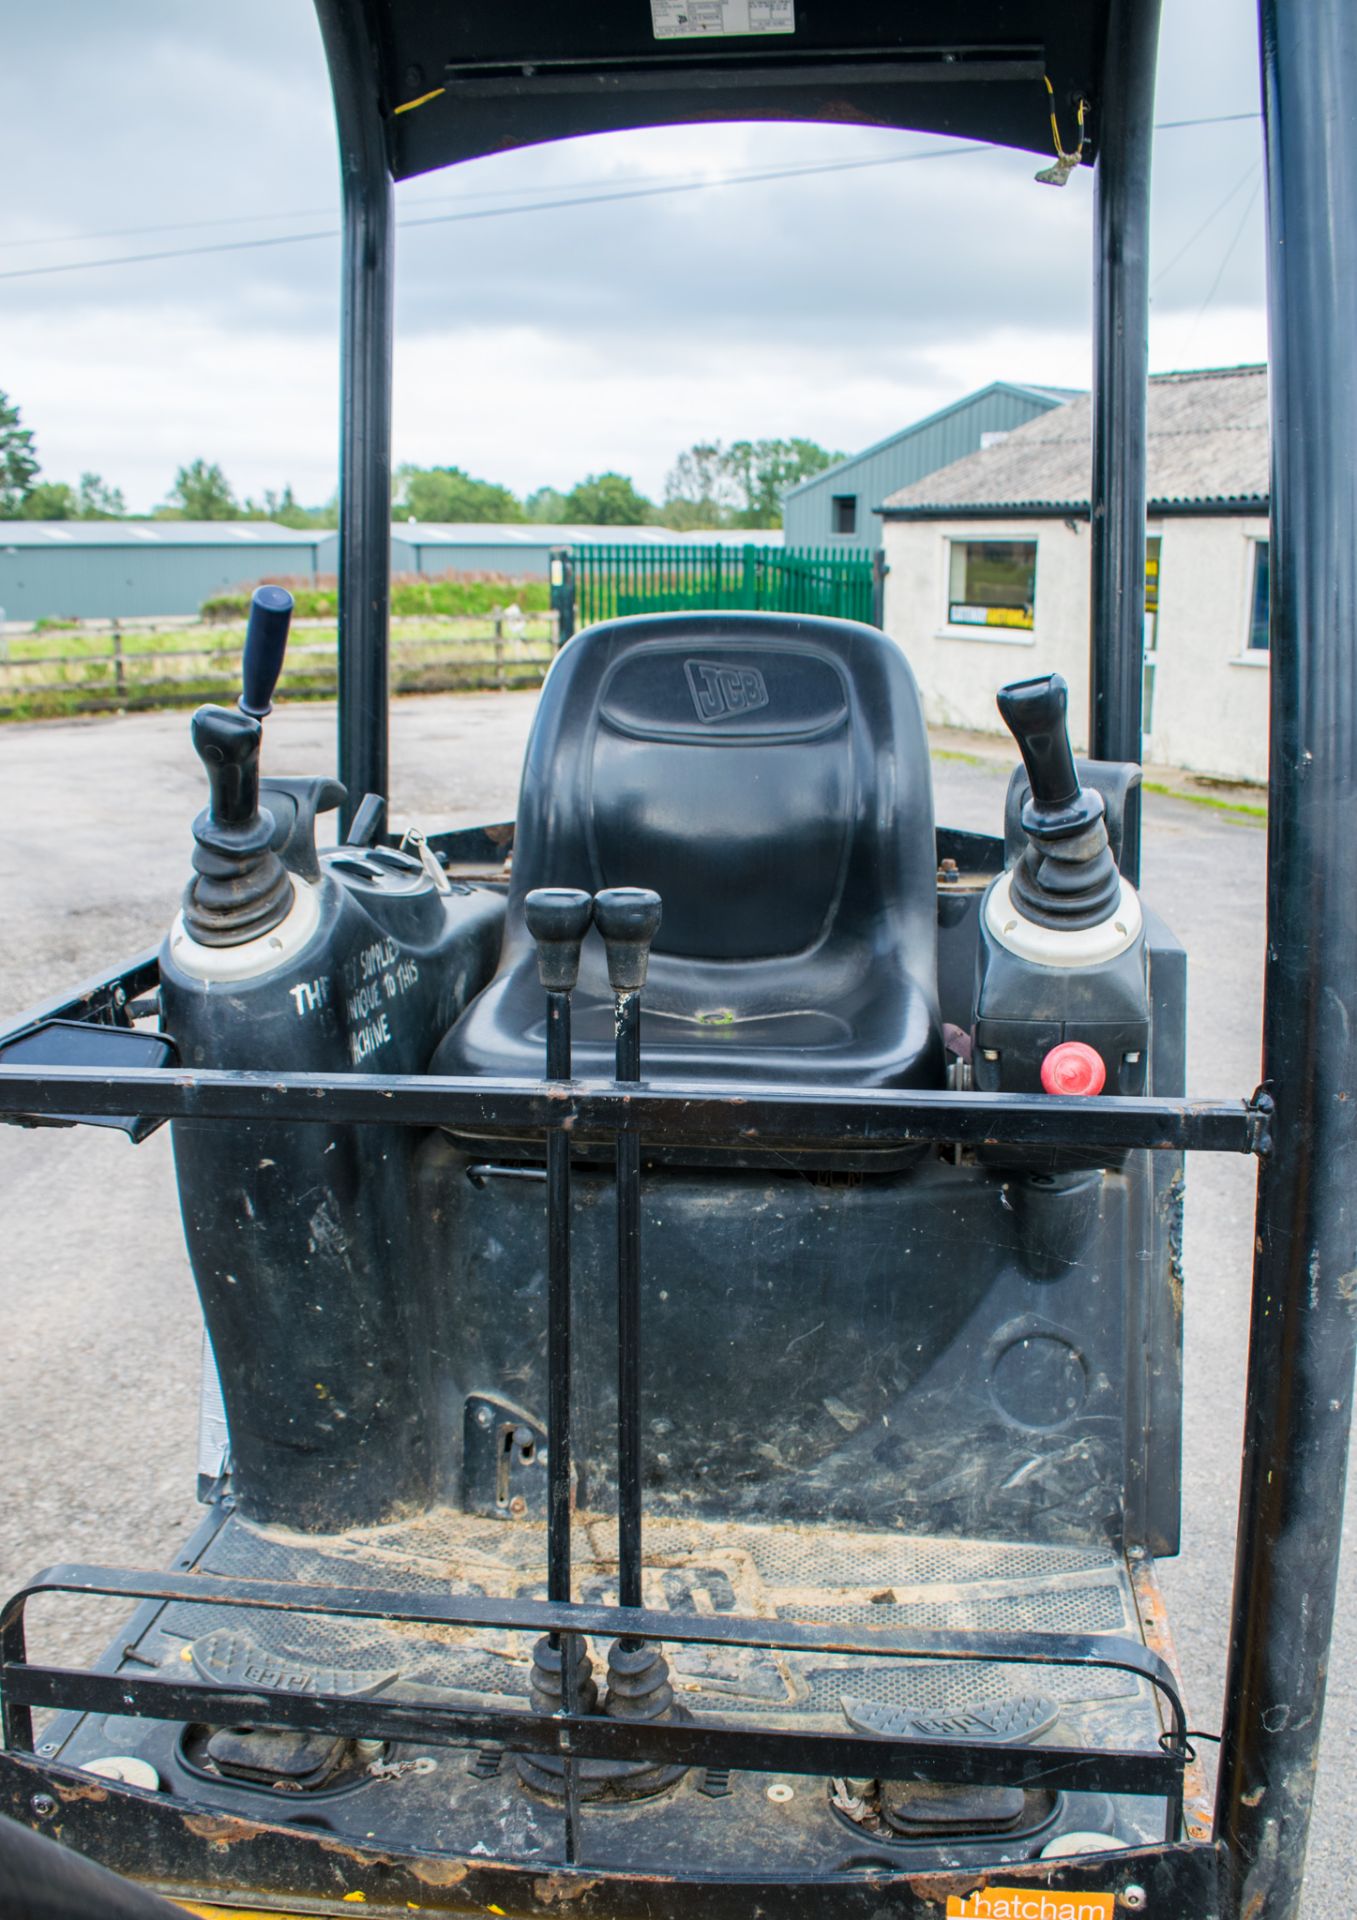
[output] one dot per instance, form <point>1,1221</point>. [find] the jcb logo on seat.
<point>720,691</point>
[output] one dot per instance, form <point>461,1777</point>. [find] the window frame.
<point>837,500</point>
<point>1000,633</point>
<point>1260,552</point>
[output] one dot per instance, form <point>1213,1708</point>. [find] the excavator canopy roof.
<point>456,81</point>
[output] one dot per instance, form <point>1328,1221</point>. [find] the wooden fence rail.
<point>136,678</point>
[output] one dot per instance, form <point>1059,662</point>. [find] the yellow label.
<point>1030,1903</point>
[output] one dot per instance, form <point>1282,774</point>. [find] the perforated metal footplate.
<point>691,1567</point>
<point>469,1803</point>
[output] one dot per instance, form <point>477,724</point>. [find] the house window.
<point>1260,606</point>
<point>844,513</point>
<point>1153,543</point>
<point>1152,550</point>
<point>993,583</point>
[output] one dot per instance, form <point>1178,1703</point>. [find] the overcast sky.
<point>534,347</point>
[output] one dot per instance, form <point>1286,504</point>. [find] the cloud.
<point>537,346</point>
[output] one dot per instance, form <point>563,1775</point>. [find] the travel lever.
<point>562,1673</point>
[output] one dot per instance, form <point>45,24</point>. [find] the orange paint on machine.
<point>1030,1903</point>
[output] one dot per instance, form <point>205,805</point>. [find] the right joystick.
<point>1066,876</point>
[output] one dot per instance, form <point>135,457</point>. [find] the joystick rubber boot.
<point>639,1689</point>
<point>1066,877</point>
<point>240,888</point>
<point>545,1772</point>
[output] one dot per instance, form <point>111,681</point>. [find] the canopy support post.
<point>366,327</point>
<point>1304,1321</point>
<point>1121,281</point>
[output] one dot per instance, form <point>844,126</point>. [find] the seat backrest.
<point>767,774</point>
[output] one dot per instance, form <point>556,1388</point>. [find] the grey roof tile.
<point>1207,441</point>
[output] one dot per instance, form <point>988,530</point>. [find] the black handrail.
<point>707,1113</point>
<point>440,1721</point>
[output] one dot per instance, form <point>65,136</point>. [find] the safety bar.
<point>709,1113</point>
<point>1151,1772</point>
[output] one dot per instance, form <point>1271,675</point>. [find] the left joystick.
<point>240,888</point>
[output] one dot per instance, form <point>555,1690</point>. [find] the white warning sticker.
<point>689,19</point>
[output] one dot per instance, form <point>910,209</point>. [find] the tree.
<point>741,485</point>
<point>97,500</point>
<point>698,492</point>
<point>546,505</point>
<point>201,492</point>
<point>49,500</point>
<point>606,500</point>
<point>18,462</point>
<point>449,493</point>
<point>94,499</point>
<point>762,470</point>
<point>287,510</point>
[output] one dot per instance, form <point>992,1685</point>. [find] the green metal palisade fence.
<point>613,580</point>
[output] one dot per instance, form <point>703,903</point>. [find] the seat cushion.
<point>768,776</point>
<point>850,1019</point>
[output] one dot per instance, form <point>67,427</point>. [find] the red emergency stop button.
<point>1073,1067</point>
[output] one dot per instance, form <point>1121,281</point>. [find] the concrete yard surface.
<point>101,1329</point>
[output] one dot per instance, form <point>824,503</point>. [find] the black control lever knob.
<point>1035,713</point>
<point>240,887</point>
<point>227,743</point>
<point>628,918</point>
<point>1066,877</point>
<point>558,919</point>
<point>265,644</point>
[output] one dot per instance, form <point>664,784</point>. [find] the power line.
<point>1248,174</point>
<point>495,213</point>
<point>1225,261</point>
<point>1207,120</point>
<point>486,193</point>
<point>332,211</point>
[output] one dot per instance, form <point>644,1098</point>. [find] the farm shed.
<point>521,549</point>
<point>125,569</point>
<point>841,506</point>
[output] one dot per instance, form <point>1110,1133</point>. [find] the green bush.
<point>412,594</point>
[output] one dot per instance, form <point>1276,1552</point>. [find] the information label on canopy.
<point>687,19</point>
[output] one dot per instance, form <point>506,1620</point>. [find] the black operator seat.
<point>768,776</point>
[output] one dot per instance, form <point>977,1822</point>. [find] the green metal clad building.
<point>126,569</point>
<point>131,569</point>
<point>838,508</point>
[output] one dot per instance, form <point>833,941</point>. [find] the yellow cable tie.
<point>409,106</point>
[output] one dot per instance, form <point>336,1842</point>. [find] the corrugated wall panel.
<point>123,583</point>
<point>908,457</point>
<point>520,561</point>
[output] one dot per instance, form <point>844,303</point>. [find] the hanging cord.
<point>1187,1751</point>
<point>1065,163</point>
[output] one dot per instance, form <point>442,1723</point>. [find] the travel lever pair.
<point>628,918</point>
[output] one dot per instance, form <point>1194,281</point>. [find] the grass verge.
<point>1245,809</point>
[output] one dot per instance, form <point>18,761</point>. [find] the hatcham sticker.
<point>720,19</point>
<point>1030,1903</point>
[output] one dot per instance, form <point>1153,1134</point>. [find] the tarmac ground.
<point>98,1394</point>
